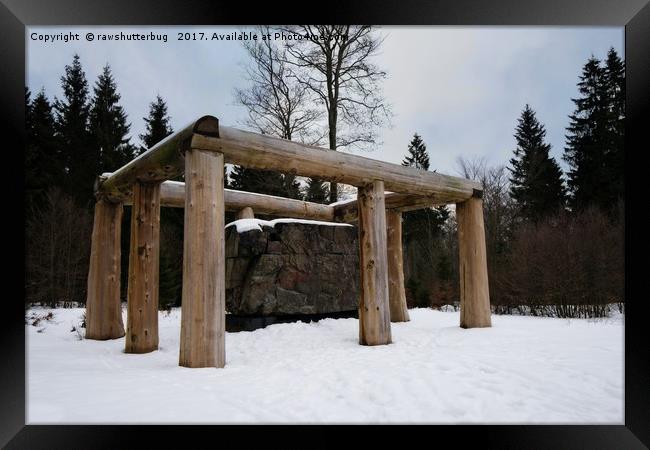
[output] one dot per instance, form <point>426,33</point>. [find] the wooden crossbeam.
<point>253,150</point>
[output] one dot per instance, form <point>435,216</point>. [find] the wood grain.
<point>203,304</point>
<point>398,309</point>
<point>144,261</point>
<point>103,306</point>
<point>474,288</point>
<point>374,310</point>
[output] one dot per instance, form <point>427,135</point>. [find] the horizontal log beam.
<point>172,195</point>
<point>165,160</point>
<point>161,162</point>
<point>348,211</point>
<point>259,151</point>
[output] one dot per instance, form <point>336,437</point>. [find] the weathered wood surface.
<point>144,257</point>
<point>398,309</point>
<point>172,194</point>
<point>103,306</point>
<point>203,303</point>
<point>265,152</point>
<point>246,213</point>
<point>348,211</point>
<point>161,162</point>
<point>374,309</point>
<point>474,288</point>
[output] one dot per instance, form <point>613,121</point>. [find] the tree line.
<point>69,142</point>
<point>555,242</point>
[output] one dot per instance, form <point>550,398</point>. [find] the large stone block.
<point>292,268</point>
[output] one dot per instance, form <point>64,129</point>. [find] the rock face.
<point>292,268</point>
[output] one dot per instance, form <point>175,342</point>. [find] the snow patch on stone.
<point>244,225</point>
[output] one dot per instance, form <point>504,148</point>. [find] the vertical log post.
<point>103,307</point>
<point>246,213</point>
<point>374,310</point>
<point>474,289</point>
<point>396,294</point>
<point>144,256</point>
<point>203,308</point>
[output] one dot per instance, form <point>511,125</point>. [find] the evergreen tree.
<point>615,157</point>
<point>588,140</point>
<point>28,109</point>
<point>171,264</point>
<point>291,186</point>
<point>108,125</point>
<point>422,231</point>
<point>536,182</point>
<point>80,159</point>
<point>427,221</point>
<point>43,166</point>
<point>316,191</point>
<point>30,154</point>
<point>418,156</point>
<point>256,180</point>
<point>158,127</point>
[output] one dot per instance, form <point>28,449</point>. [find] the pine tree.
<point>291,186</point>
<point>108,124</point>
<point>422,230</point>
<point>427,221</point>
<point>81,160</point>
<point>28,109</point>
<point>171,271</point>
<point>418,156</point>
<point>43,165</point>
<point>316,191</point>
<point>30,153</point>
<point>587,141</point>
<point>158,127</point>
<point>615,157</point>
<point>536,181</point>
<point>257,180</point>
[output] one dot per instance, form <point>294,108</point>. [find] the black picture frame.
<point>15,15</point>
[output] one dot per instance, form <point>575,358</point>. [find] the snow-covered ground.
<point>522,370</point>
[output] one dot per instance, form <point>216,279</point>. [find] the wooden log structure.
<point>374,310</point>
<point>172,195</point>
<point>396,294</point>
<point>200,150</point>
<point>246,213</point>
<point>161,162</point>
<point>144,256</point>
<point>259,151</point>
<point>203,314</point>
<point>474,289</point>
<point>103,306</point>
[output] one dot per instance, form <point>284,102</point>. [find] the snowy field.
<point>522,370</point>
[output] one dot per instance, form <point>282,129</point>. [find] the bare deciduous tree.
<point>57,251</point>
<point>335,64</point>
<point>277,103</point>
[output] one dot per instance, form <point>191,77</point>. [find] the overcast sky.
<point>461,88</point>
